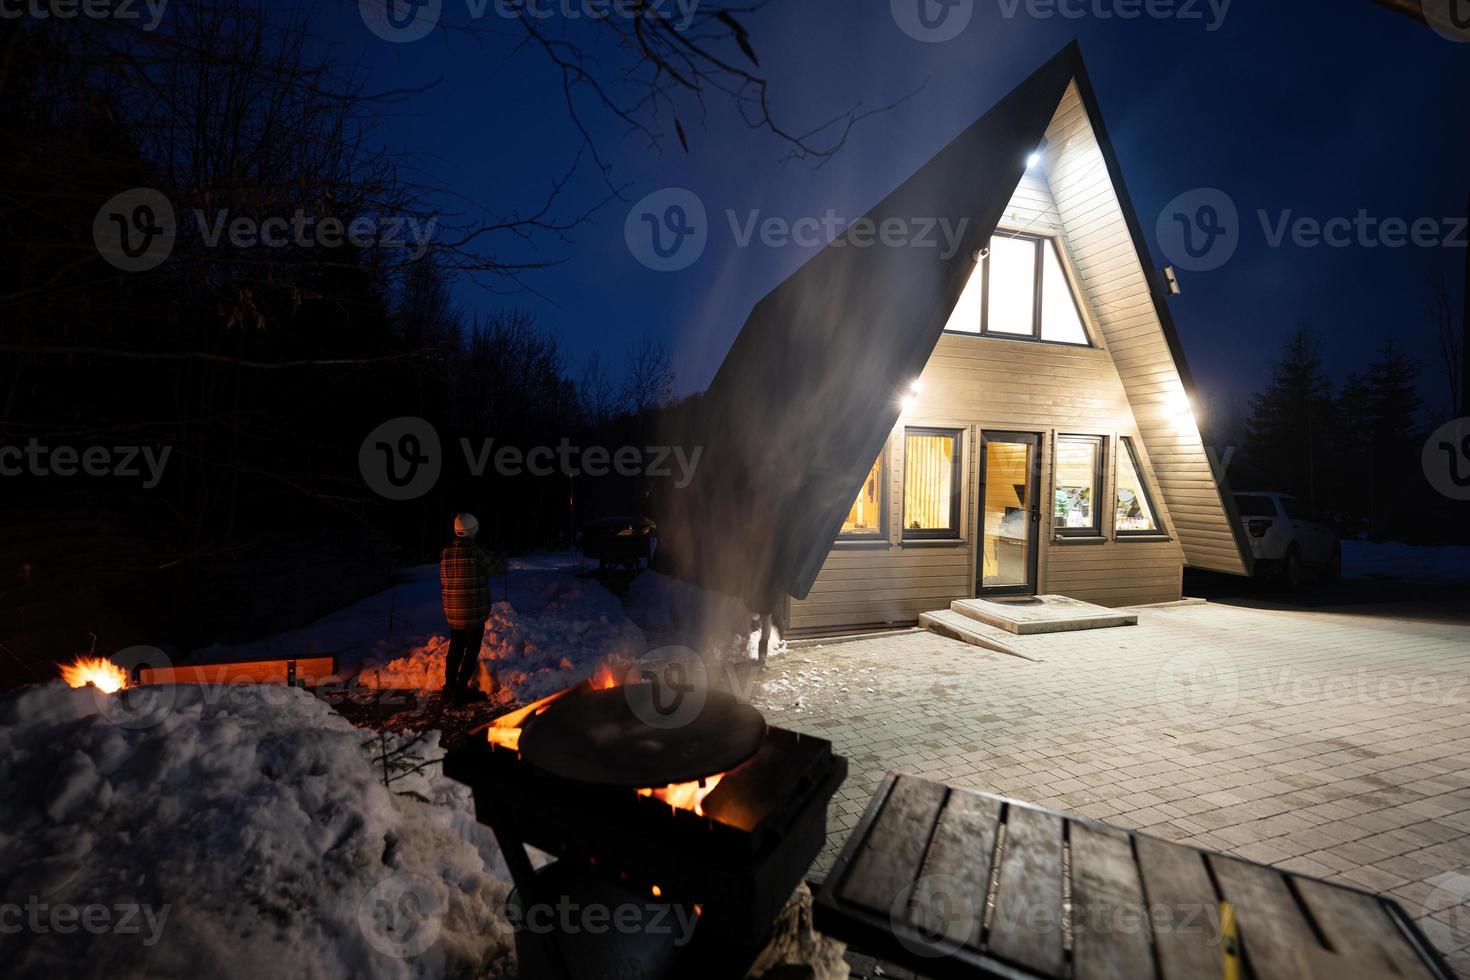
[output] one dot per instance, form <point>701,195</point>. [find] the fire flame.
<point>505,732</point>
<point>604,678</point>
<point>100,672</point>
<point>685,796</point>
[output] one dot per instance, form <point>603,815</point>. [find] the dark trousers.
<point>463,659</point>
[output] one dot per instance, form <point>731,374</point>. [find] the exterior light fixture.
<point>908,402</point>
<point>1033,160</point>
<point>1171,281</point>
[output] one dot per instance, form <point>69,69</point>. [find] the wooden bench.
<point>955,883</point>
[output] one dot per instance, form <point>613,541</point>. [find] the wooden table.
<point>955,883</point>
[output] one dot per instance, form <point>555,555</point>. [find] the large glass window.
<point>1020,289</point>
<point>931,483</point>
<point>865,519</point>
<point>1077,485</point>
<point>1133,511</point>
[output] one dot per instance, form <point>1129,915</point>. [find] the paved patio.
<point>1334,744</point>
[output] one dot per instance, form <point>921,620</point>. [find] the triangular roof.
<point>811,388</point>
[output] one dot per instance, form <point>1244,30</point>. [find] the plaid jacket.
<point>463,569</point>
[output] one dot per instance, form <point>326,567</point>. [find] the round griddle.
<point>598,737</point>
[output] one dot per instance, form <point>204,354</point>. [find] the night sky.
<point>1320,107</point>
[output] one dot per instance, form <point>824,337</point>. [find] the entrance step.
<point>957,627</point>
<point>1041,614</point>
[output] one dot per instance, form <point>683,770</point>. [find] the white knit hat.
<point>466,526</point>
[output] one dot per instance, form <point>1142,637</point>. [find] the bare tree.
<point>1449,334</point>
<point>599,396</point>
<point>651,379</point>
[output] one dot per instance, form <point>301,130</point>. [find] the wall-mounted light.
<point>1033,160</point>
<point>908,401</point>
<point>1171,281</point>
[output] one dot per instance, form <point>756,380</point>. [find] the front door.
<point>1010,513</point>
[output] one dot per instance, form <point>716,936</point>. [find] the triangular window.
<point>1020,290</point>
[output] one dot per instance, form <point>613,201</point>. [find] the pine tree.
<point>1289,432</point>
<point>1388,429</point>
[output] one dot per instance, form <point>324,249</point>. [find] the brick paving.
<point>1328,743</point>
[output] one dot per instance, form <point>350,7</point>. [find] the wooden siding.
<point>1115,282</point>
<point>979,384</point>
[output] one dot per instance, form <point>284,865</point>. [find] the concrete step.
<point>951,624</point>
<point>1046,614</point>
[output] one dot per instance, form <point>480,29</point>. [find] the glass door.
<point>1010,513</point>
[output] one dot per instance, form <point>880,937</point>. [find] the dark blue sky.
<point>1323,108</point>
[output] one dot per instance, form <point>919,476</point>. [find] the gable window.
<point>865,519</point>
<point>1077,486</point>
<point>1133,511</point>
<point>1020,290</point>
<point>931,483</point>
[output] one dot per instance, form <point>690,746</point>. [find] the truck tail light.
<point>1258,528</point>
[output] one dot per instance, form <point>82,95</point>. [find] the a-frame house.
<point>895,427</point>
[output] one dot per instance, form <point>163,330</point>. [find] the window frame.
<point>881,535</point>
<point>957,465</point>
<point>1041,241</point>
<point>1125,444</point>
<point>1099,484</point>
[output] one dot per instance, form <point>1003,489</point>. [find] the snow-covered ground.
<point>246,831</point>
<point>243,832</point>
<point>550,627</point>
<point>1396,560</point>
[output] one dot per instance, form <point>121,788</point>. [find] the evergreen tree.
<point>1288,436</point>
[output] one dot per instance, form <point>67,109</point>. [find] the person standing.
<point>463,570</point>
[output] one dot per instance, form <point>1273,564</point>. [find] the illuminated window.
<point>931,483</point>
<point>1133,511</point>
<point>865,519</point>
<point>1020,289</point>
<point>1077,485</point>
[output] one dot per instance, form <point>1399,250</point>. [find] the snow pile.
<point>553,632</point>
<point>236,832</point>
<point>1396,560</point>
